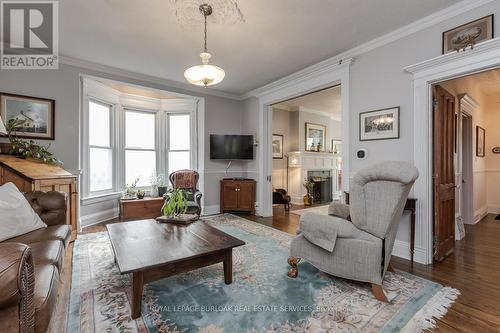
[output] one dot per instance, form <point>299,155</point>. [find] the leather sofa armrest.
<point>50,206</point>
<point>17,284</point>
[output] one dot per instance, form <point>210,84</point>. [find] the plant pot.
<point>140,195</point>
<point>308,200</point>
<point>5,147</point>
<point>162,190</point>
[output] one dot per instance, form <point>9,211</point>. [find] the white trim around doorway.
<point>483,57</point>
<point>336,74</point>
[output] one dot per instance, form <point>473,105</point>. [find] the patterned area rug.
<point>323,210</point>
<point>261,298</point>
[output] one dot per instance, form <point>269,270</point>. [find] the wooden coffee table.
<point>152,251</point>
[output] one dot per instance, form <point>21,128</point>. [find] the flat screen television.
<point>231,147</point>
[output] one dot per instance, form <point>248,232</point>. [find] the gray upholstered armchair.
<point>355,242</point>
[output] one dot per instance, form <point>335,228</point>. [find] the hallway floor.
<point>473,268</point>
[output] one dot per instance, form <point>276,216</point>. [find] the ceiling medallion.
<point>225,12</point>
<point>205,74</point>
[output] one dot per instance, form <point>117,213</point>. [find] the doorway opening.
<point>306,148</point>
<point>466,159</point>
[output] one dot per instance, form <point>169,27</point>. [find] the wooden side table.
<point>411,206</point>
<point>147,208</point>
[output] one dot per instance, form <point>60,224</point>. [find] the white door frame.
<point>308,82</point>
<point>484,56</point>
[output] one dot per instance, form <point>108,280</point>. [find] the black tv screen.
<point>231,147</point>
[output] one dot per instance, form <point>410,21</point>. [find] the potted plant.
<point>27,148</point>
<point>308,198</point>
<point>141,194</point>
<point>175,207</point>
<point>161,182</point>
<point>129,191</point>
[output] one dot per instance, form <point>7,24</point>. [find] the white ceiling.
<point>486,83</point>
<point>326,101</point>
<point>277,38</point>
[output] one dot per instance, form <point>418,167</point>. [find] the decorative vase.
<point>140,194</point>
<point>308,200</point>
<point>162,190</point>
<point>154,191</point>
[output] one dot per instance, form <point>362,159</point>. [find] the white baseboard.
<point>211,210</point>
<point>493,209</point>
<point>480,213</point>
<point>98,217</point>
<point>402,249</point>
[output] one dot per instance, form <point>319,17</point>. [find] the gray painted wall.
<point>222,115</point>
<point>378,81</point>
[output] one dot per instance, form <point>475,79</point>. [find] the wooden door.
<point>229,195</point>
<point>246,195</point>
<point>444,173</point>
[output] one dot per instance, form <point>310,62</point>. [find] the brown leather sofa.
<point>30,267</point>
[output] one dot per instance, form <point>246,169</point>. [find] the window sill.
<point>100,198</point>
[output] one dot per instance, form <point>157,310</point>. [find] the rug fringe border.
<point>435,308</point>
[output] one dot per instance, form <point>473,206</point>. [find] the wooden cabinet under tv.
<point>237,195</point>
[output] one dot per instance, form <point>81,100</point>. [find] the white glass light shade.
<point>206,74</point>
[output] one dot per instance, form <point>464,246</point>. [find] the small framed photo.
<point>277,146</point>
<point>315,138</point>
<point>480,141</point>
<point>379,124</point>
<point>34,116</point>
<point>469,34</point>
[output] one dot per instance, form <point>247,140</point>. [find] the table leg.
<point>137,288</point>
<point>228,267</point>
<point>412,237</point>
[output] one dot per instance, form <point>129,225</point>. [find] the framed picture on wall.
<point>277,146</point>
<point>315,138</point>
<point>480,141</point>
<point>469,34</point>
<point>32,116</point>
<point>379,124</point>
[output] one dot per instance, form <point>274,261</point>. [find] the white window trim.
<point>120,102</point>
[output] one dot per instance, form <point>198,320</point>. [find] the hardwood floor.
<point>473,268</point>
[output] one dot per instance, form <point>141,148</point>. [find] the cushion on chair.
<point>48,252</point>
<point>323,230</point>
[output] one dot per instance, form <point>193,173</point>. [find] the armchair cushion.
<point>323,230</point>
<point>17,217</point>
<point>339,209</point>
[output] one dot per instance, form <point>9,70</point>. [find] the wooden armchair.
<point>188,180</point>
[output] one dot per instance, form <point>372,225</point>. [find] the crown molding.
<point>468,102</point>
<point>144,77</point>
<point>421,24</point>
<point>420,69</point>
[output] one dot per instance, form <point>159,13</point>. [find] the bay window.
<point>100,147</point>
<point>179,142</point>
<point>140,147</point>
<point>129,137</point>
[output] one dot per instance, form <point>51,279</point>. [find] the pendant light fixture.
<point>205,74</point>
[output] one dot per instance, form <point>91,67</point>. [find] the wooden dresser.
<point>30,175</point>
<point>237,195</point>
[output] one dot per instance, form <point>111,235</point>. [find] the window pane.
<point>178,160</point>
<point>179,132</point>
<point>99,124</point>
<point>139,130</point>
<point>101,169</point>
<point>140,164</point>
